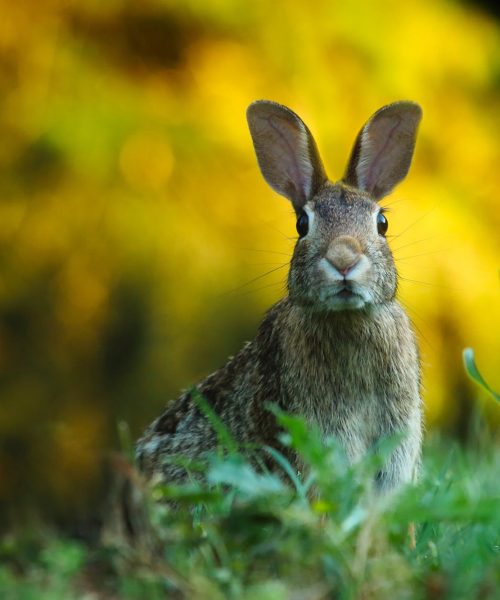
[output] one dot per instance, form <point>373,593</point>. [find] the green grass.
<point>253,535</point>
<point>242,532</point>
<point>473,372</point>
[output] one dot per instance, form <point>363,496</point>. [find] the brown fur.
<point>350,368</point>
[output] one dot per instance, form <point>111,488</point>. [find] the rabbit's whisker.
<point>270,225</point>
<point>264,287</point>
<point>428,283</point>
<point>412,310</point>
<point>264,264</point>
<point>266,251</point>
<point>418,255</point>
<point>413,243</point>
<point>254,279</point>
<point>386,206</point>
<point>426,214</point>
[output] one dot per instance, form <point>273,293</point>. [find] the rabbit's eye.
<point>382,224</point>
<point>303,224</point>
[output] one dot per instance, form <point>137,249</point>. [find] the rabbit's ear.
<point>384,148</point>
<point>286,151</point>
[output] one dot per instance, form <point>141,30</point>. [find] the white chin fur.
<point>334,303</point>
<point>333,283</point>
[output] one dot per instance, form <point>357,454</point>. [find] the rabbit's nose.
<point>344,254</point>
<point>342,268</point>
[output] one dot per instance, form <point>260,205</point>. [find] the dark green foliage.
<point>247,533</point>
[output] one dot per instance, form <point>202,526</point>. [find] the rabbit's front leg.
<point>403,464</point>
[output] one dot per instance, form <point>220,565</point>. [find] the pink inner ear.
<point>386,147</point>
<point>381,136</point>
<point>283,153</point>
<point>286,152</point>
<point>292,154</point>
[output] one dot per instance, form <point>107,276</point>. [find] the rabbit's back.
<point>238,394</point>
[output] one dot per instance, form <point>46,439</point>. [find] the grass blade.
<point>473,372</point>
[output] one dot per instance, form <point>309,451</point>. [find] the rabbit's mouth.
<point>345,294</point>
<point>346,298</point>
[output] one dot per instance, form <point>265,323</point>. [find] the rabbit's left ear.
<point>286,151</point>
<point>384,148</point>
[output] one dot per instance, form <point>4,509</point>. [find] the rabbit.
<point>338,350</point>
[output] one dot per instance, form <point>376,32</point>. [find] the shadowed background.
<point>136,230</point>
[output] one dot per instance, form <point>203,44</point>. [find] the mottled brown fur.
<point>353,369</point>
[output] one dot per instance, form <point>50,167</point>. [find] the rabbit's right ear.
<point>384,148</point>
<point>286,151</point>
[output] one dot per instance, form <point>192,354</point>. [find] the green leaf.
<point>241,476</point>
<point>188,493</point>
<point>474,374</point>
<point>289,470</point>
<point>224,437</point>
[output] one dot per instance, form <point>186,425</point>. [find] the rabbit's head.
<point>341,260</point>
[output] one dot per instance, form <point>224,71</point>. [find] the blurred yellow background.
<point>135,225</point>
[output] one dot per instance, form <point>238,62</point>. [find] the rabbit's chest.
<point>351,392</point>
<point>344,392</point>
<point>354,376</point>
